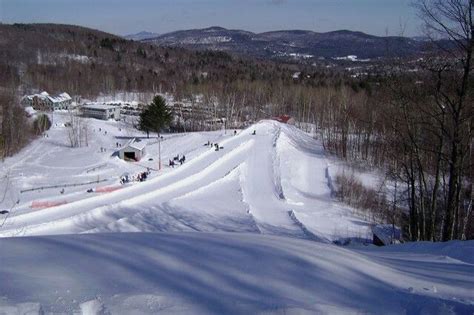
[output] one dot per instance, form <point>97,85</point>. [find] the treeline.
<point>87,62</point>
<point>12,118</point>
<point>415,127</point>
<point>418,128</point>
<point>14,128</point>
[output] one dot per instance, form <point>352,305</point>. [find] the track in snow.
<point>272,183</point>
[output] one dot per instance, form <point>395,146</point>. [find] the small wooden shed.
<point>134,150</point>
<point>386,234</point>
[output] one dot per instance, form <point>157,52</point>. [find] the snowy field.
<point>274,182</point>
<point>246,229</point>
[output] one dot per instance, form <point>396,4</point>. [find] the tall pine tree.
<point>155,117</point>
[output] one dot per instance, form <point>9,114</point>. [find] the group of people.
<point>140,177</point>
<point>213,145</point>
<point>177,160</point>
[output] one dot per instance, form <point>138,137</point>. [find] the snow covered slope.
<point>229,273</point>
<point>271,189</point>
<point>274,182</point>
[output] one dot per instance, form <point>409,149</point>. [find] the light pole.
<point>159,152</point>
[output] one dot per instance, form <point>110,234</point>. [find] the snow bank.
<point>93,307</point>
<point>462,251</point>
<point>228,273</point>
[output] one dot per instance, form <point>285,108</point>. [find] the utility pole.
<point>159,152</point>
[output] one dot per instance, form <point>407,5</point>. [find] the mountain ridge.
<point>292,43</point>
<point>141,35</point>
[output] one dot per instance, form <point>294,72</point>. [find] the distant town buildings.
<point>104,112</point>
<point>45,101</point>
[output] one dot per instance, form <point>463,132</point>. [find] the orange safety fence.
<point>46,204</point>
<point>107,189</point>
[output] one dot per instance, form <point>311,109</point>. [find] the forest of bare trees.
<point>434,125</point>
<point>418,127</point>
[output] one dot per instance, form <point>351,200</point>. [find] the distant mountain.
<point>141,36</point>
<point>88,62</point>
<point>421,38</point>
<point>292,43</point>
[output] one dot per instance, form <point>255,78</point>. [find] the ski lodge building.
<point>104,112</point>
<point>44,101</point>
<point>134,150</point>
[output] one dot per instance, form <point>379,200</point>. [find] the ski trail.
<point>261,186</point>
<point>273,182</point>
<point>199,163</point>
<point>193,176</point>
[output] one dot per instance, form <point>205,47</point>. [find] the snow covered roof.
<point>53,98</point>
<point>40,96</point>
<point>135,144</point>
<point>60,98</point>
<point>30,110</point>
<point>98,106</point>
<point>387,233</point>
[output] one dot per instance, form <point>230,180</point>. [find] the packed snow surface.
<point>230,273</point>
<point>274,182</point>
<point>272,189</point>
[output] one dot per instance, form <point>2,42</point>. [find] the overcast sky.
<point>126,16</point>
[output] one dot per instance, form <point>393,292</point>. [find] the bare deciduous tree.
<point>453,20</point>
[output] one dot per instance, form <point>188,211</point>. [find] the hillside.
<point>87,62</point>
<point>141,35</point>
<point>228,273</point>
<point>246,229</point>
<point>292,43</point>
<point>274,182</point>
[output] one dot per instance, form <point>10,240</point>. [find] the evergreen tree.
<point>155,117</point>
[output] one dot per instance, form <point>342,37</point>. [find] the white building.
<point>44,101</point>
<point>134,150</point>
<point>104,112</point>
